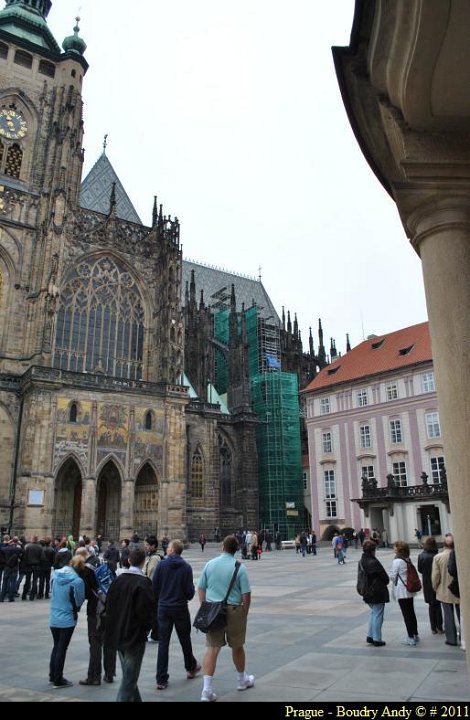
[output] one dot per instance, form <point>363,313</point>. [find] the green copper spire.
<point>41,7</point>
<point>26,20</point>
<point>74,43</point>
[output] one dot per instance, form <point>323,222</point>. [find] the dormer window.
<point>378,344</point>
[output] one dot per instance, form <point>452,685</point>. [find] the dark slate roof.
<point>96,192</point>
<point>217,285</point>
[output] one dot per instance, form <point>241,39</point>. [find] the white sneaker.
<point>208,696</point>
<point>409,641</point>
<point>248,682</point>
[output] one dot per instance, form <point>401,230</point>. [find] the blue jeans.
<point>180,619</point>
<point>131,661</point>
<point>62,637</point>
<point>376,618</point>
<point>9,584</point>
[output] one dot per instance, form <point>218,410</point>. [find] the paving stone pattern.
<point>306,642</point>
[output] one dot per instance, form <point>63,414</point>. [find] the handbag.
<point>212,615</point>
<point>453,586</point>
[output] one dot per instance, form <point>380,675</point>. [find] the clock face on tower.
<point>12,125</point>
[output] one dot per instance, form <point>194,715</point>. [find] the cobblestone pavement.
<point>306,642</point>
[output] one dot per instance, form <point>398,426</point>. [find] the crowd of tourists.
<point>134,594</point>
<point>439,582</point>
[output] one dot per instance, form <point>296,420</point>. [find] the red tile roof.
<point>399,349</point>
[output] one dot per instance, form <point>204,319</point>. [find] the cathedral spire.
<point>192,289</point>
<point>233,302</point>
<point>296,327</point>
<point>289,324</point>
<point>154,211</point>
<point>74,43</point>
<point>201,301</point>
<point>310,343</point>
<point>283,318</point>
<point>112,200</point>
<point>321,347</point>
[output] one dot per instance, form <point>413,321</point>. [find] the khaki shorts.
<point>233,633</point>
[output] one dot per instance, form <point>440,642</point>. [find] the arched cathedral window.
<point>148,420</point>
<point>73,413</point>
<point>100,321</point>
<point>197,476</point>
<point>225,457</point>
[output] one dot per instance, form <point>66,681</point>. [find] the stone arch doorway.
<point>146,501</point>
<point>68,500</point>
<point>108,502</point>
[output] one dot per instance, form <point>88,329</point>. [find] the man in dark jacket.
<point>376,594</point>
<point>129,608</point>
<point>33,558</point>
<point>173,587</point>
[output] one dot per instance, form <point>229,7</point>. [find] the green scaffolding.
<point>275,400</point>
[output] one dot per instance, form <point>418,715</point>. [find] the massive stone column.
<point>404,82</point>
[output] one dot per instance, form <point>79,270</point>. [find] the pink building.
<point>374,436</point>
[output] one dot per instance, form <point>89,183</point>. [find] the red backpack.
<point>413,583</point>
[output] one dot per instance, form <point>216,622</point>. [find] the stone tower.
<point>41,131</point>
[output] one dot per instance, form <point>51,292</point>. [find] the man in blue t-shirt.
<point>213,585</point>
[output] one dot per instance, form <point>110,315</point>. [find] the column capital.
<point>429,214</point>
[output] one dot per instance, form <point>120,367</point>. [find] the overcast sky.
<point>230,112</point>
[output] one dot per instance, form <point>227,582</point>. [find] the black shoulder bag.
<point>212,615</point>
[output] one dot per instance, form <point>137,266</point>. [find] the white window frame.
<point>428,383</point>
<point>329,484</point>
<point>368,471</point>
<point>325,407</point>
<point>362,397</point>
<point>433,425</point>
<point>327,442</point>
<point>396,432</point>
<point>436,471</point>
<point>331,508</point>
<point>365,437</point>
<point>391,391</point>
<point>400,473</point>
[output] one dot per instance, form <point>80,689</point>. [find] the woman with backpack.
<point>372,581</point>
<point>401,568</point>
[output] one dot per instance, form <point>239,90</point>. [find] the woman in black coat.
<point>425,560</point>
<point>377,592</point>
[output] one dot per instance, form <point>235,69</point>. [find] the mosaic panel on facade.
<point>72,436</point>
<point>148,444</point>
<point>113,431</point>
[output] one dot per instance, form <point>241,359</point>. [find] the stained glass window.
<point>197,474</point>
<point>100,321</point>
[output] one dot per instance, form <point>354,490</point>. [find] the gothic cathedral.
<point>110,420</point>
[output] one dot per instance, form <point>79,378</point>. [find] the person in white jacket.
<point>398,575</point>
